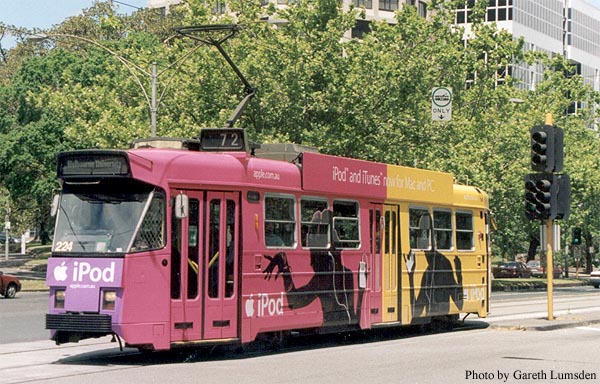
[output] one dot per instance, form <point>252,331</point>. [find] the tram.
<point>215,240</point>
<point>209,241</point>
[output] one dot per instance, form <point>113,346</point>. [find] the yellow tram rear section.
<point>437,272</point>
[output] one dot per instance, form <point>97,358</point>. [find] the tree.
<point>367,98</point>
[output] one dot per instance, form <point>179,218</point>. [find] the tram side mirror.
<point>362,275</point>
<point>181,206</point>
<point>54,205</point>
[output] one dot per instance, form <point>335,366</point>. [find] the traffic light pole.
<point>550,266</point>
<point>550,248</point>
<point>547,192</point>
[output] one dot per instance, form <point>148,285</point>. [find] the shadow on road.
<point>264,347</point>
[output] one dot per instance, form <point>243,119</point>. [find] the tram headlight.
<point>59,298</point>
<point>108,300</point>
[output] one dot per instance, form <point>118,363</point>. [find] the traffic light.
<point>576,236</point>
<point>546,148</point>
<point>539,196</point>
<point>547,196</point>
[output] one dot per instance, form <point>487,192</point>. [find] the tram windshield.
<point>103,219</point>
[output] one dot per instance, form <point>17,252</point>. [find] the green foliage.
<point>367,98</point>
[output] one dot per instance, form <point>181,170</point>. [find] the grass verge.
<point>33,285</point>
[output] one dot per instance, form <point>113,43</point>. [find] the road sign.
<point>441,104</point>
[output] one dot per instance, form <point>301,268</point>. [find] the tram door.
<point>220,263</point>
<point>186,279</point>
<point>391,264</point>
<point>376,227</point>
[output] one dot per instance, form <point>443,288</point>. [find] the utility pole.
<point>6,228</point>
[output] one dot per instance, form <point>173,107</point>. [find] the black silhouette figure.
<point>438,285</point>
<point>332,284</point>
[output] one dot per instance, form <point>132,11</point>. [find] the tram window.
<point>280,221</point>
<point>345,224</point>
<point>230,260</point>
<point>464,231</point>
<point>391,226</point>
<point>192,261</point>
<point>377,231</point>
<point>175,257</point>
<point>419,238</point>
<point>442,226</point>
<point>314,231</point>
<point>213,247</point>
<point>151,234</point>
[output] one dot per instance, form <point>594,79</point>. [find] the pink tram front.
<point>209,243</point>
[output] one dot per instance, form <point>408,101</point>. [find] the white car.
<point>595,278</point>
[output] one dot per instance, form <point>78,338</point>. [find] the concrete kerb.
<point>543,324</point>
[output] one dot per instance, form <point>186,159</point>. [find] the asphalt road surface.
<point>474,354</point>
<point>23,318</point>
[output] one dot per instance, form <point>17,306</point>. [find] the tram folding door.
<point>221,265</point>
<point>186,279</point>
<point>376,226</point>
<point>390,248</point>
<point>204,266</point>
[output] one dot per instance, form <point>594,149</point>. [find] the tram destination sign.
<point>222,139</point>
<point>441,104</point>
<point>89,163</point>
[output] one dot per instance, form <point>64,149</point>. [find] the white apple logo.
<point>60,272</point>
<point>250,307</point>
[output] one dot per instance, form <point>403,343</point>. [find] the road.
<point>22,319</point>
<point>570,300</point>
<point>473,355</point>
<point>453,357</point>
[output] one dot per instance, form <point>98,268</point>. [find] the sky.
<point>46,13</point>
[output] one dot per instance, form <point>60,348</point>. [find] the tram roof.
<point>318,173</point>
<point>182,168</point>
<point>468,196</point>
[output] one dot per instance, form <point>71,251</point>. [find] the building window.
<point>368,4</point>
<point>361,28</point>
<point>502,73</point>
<point>497,10</point>
<point>388,5</point>
<point>422,10</point>
<point>219,8</point>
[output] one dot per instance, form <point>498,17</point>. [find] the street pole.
<point>550,266</point>
<point>6,228</point>
<point>550,252</point>
<point>6,241</point>
<point>153,102</point>
<point>567,254</point>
